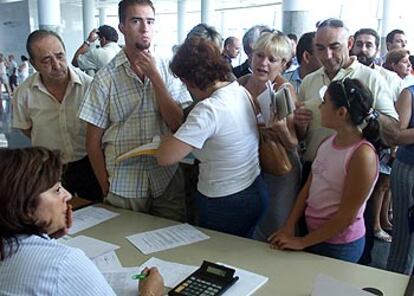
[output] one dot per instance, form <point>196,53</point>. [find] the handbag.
<point>273,157</point>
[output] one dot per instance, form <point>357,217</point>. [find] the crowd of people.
<point>349,141</point>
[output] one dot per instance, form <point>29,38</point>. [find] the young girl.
<point>343,176</point>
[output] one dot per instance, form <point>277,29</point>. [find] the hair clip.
<point>371,115</point>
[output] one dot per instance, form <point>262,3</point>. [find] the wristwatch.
<point>87,43</point>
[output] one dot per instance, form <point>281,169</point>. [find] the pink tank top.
<point>329,171</point>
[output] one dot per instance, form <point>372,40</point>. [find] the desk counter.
<point>290,273</point>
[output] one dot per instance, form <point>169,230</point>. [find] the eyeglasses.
<point>330,22</point>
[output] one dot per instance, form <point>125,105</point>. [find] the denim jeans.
<point>235,214</point>
<point>350,252</point>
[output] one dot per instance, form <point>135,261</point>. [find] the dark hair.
<point>251,36</point>
<point>368,31</point>
<point>124,4</point>
<point>38,35</point>
<point>24,58</point>
<point>411,58</point>
<point>353,95</point>
<point>24,175</point>
<point>305,43</point>
<point>391,35</point>
<point>229,41</point>
<point>207,32</point>
<point>292,36</point>
<point>199,62</point>
<point>108,32</point>
<point>331,23</point>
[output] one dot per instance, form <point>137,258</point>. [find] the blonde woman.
<point>271,53</point>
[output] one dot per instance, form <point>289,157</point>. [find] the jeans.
<point>237,213</point>
<point>350,252</point>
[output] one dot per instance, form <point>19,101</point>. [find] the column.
<point>49,14</point>
<point>207,12</point>
<point>181,9</point>
<point>89,23</point>
<point>387,9</point>
<point>102,16</point>
<point>295,17</point>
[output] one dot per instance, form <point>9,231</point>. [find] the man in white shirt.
<point>46,107</point>
<point>332,45</point>
<point>89,58</point>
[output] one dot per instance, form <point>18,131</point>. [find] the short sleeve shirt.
<point>309,93</point>
<point>54,125</point>
<point>126,109</point>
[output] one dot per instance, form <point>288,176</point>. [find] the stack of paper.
<point>166,238</point>
<point>247,284</point>
<point>91,246</point>
<point>88,217</point>
<point>327,286</point>
<point>121,281</point>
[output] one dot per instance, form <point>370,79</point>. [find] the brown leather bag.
<point>272,154</point>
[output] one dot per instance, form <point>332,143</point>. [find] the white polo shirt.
<point>53,124</point>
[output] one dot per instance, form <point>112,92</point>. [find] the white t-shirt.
<point>223,131</point>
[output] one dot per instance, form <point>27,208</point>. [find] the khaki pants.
<point>170,205</point>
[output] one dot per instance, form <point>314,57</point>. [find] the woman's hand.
<point>64,230</point>
<point>153,284</point>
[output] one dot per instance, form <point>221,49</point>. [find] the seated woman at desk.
<point>222,133</point>
<point>342,178</point>
<point>33,211</point>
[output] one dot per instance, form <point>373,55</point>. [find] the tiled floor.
<point>13,138</point>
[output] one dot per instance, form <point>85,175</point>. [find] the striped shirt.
<point>42,266</point>
<point>126,109</point>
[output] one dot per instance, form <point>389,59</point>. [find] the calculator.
<point>209,280</point>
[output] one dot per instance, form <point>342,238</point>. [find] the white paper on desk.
<point>88,217</point>
<point>173,273</point>
<point>91,246</point>
<point>121,281</point>
<point>107,262</point>
<point>327,286</point>
<point>166,238</point>
<point>247,284</point>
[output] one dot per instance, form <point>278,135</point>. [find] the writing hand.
<point>153,284</point>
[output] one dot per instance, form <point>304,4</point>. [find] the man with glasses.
<point>89,58</point>
<point>332,45</point>
<point>131,100</point>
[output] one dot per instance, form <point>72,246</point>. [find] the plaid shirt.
<point>126,108</point>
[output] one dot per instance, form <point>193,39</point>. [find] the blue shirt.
<point>294,78</point>
<point>43,266</point>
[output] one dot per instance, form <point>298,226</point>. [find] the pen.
<point>140,276</point>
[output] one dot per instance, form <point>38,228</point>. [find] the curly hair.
<point>198,61</point>
<point>353,95</point>
<point>24,175</point>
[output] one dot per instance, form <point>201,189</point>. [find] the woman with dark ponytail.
<point>343,176</point>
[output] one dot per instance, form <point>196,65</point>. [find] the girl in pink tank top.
<point>343,176</point>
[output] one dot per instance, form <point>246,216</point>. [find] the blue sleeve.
<point>78,275</point>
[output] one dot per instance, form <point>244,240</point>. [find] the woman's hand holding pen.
<point>152,284</point>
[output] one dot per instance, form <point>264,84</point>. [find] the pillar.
<point>102,16</point>
<point>295,17</point>
<point>49,14</point>
<point>207,12</point>
<point>386,24</point>
<point>181,16</point>
<point>89,23</point>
